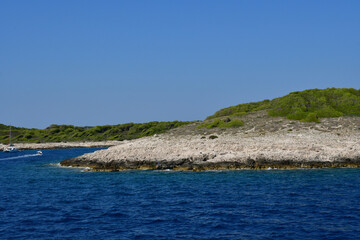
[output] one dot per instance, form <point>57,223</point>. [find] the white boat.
<point>39,153</point>
<point>11,148</point>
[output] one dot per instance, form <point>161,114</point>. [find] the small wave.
<point>83,169</point>
<point>21,156</point>
<point>86,169</point>
<point>163,170</point>
<point>55,164</point>
<point>270,168</point>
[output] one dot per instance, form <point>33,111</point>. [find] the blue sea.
<point>40,200</point>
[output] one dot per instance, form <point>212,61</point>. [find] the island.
<point>314,128</point>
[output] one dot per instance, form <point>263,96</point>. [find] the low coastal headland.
<point>305,147</point>
<point>308,129</point>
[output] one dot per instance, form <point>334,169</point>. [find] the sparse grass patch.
<point>234,123</point>
<point>238,114</point>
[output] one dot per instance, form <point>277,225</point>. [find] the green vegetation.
<point>311,117</point>
<point>213,137</point>
<point>308,106</point>
<point>69,133</point>
<point>222,123</point>
<point>241,109</point>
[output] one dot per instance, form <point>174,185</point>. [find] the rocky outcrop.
<point>236,150</point>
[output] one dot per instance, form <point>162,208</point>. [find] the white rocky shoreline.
<point>236,150</point>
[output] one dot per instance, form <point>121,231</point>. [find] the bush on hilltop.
<point>308,105</point>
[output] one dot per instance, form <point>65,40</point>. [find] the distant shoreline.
<point>59,145</point>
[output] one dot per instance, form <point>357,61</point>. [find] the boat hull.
<point>10,149</point>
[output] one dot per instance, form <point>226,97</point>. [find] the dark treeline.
<point>308,106</point>
<point>70,133</point>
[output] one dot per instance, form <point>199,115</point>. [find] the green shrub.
<point>213,137</point>
<point>215,123</point>
<point>212,124</point>
<point>328,112</point>
<point>234,123</point>
<point>298,115</point>
<point>311,117</point>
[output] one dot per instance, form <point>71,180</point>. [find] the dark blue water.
<point>39,200</point>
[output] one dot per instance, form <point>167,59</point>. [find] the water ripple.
<point>40,201</point>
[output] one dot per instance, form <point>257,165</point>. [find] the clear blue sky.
<point>110,62</point>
